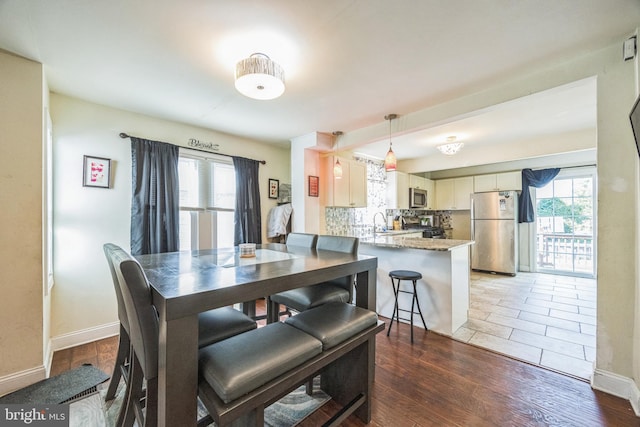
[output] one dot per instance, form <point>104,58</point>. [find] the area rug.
<point>63,388</point>
<point>289,411</point>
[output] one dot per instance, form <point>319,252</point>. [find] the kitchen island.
<point>443,291</point>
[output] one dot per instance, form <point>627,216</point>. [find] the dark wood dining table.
<point>189,282</point>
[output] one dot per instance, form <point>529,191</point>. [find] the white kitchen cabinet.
<point>416,181</point>
<point>497,182</point>
<point>454,193</point>
<point>397,190</point>
<point>351,189</point>
<point>357,184</point>
<point>431,193</point>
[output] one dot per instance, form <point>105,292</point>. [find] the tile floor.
<point>544,319</point>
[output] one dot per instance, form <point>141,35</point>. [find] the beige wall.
<point>84,305</point>
<point>21,305</point>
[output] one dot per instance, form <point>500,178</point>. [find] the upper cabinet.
<point>350,190</point>
<point>397,190</point>
<point>497,182</point>
<point>454,193</point>
<point>416,181</point>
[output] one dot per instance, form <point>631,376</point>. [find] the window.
<point>565,224</point>
<point>207,200</point>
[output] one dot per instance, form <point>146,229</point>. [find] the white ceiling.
<point>347,62</point>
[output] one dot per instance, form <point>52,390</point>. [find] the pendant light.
<point>390,158</point>
<point>337,168</point>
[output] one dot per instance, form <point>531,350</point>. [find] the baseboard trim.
<point>21,379</point>
<point>617,385</point>
<point>84,336</point>
<point>48,358</point>
<point>635,398</point>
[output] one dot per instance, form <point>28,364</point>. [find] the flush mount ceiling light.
<point>390,158</point>
<point>258,77</point>
<point>337,168</point>
<point>451,147</point>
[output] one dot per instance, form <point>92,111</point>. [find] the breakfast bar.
<point>443,290</point>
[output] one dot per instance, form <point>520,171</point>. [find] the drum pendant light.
<point>337,167</point>
<point>390,158</point>
<point>259,77</point>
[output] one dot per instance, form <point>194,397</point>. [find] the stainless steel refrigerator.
<point>494,227</point>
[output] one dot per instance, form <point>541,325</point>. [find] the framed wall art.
<point>314,184</point>
<point>96,172</point>
<point>274,184</point>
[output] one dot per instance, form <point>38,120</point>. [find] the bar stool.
<point>414,276</point>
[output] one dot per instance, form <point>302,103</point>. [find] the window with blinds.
<point>207,200</point>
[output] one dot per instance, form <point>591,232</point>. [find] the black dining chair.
<point>301,240</point>
<point>338,290</point>
<point>137,357</point>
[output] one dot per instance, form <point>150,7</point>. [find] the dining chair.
<point>121,367</point>
<point>140,359</point>
<point>303,240</point>
<point>338,290</point>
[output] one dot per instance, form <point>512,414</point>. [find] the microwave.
<point>417,198</point>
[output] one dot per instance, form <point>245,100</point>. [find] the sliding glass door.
<point>565,214</point>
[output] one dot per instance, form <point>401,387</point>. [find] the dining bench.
<point>241,376</point>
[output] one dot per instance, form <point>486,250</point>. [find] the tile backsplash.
<point>355,221</point>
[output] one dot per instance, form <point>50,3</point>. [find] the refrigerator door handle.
<point>472,220</point>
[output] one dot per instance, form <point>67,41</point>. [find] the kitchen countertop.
<point>397,240</point>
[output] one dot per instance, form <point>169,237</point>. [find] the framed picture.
<point>96,172</point>
<point>314,183</point>
<point>274,184</point>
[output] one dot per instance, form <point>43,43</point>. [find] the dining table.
<point>186,283</point>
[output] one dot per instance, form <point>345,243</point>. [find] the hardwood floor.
<point>438,381</point>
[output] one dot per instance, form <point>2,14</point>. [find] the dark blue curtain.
<point>155,197</point>
<point>247,219</point>
<point>536,179</point>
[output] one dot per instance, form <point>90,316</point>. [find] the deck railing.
<point>561,251</point>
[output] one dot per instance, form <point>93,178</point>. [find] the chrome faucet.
<point>384,218</point>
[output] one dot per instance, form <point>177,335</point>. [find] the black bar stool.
<point>414,276</point>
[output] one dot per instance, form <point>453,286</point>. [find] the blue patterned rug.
<point>93,411</point>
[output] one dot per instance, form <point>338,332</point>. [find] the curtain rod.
<point>264,162</point>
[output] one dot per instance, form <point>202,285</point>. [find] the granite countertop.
<point>399,241</point>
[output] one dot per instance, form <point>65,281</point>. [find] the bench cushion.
<point>301,299</point>
<point>242,363</point>
<point>334,322</point>
<point>216,325</point>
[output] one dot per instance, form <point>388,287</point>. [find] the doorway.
<point>565,224</point>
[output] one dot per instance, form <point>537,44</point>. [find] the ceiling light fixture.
<point>337,168</point>
<point>451,147</point>
<point>390,159</point>
<point>258,77</point>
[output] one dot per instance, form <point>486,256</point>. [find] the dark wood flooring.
<point>441,382</point>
